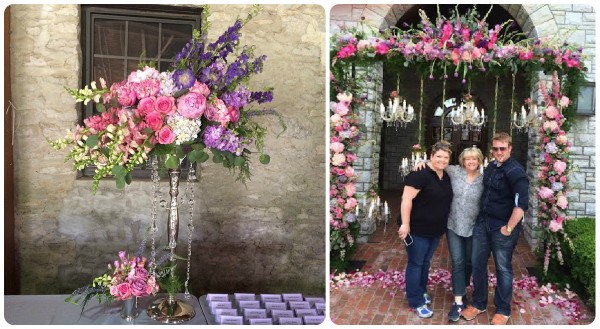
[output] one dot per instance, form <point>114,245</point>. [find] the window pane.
<point>109,37</point>
<point>111,69</point>
<point>143,40</point>
<point>174,38</point>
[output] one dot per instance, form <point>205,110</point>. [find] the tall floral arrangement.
<point>554,156</point>
<point>345,133</point>
<point>198,105</point>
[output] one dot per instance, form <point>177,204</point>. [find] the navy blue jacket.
<point>504,188</point>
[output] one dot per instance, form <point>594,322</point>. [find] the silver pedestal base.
<point>177,311</point>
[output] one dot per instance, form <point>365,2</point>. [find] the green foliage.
<point>341,252</point>
<point>581,259</point>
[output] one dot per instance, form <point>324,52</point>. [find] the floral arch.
<point>437,47</point>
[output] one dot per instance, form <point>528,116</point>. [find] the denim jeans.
<point>417,268</point>
<point>501,247</point>
<point>460,248</point>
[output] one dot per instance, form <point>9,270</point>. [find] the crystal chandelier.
<point>396,114</point>
<point>525,120</point>
<point>468,115</point>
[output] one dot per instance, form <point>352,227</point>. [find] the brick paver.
<point>388,306</point>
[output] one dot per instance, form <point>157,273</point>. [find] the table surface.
<point>52,309</point>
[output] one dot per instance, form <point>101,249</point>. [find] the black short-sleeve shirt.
<point>431,206</point>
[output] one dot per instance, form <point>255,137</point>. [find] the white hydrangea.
<point>185,129</point>
<point>167,84</point>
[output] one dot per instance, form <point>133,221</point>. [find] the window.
<point>115,38</point>
<point>586,102</point>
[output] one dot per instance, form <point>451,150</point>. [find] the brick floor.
<point>388,306</point>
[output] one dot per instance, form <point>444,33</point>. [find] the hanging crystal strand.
<point>153,229</point>
<point>190,187</point>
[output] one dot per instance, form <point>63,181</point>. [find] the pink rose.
<point>166,135</point>
<point>559,167</point>
<point>350,189</point>
<point>165,105</point>
<point>138,287</point>
<point>561,140</point>
<point>191,105</point>
<point>218,112</point>
<point>123,291</point>
<point>551,112</point>
<point>336,147</point>
<point>550,126</point>
<point>234,114</point>
<point>146,105</point>
<point>154,121</point>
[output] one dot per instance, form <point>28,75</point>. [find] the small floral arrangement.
<point>417,148</point>
<point>198,105</point>
<point>125,278</point>
<point>555,166</point>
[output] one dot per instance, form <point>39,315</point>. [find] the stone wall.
<point>268,236</point>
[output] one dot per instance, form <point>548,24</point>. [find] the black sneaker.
<point>454,313</point>
<point>465,300</point>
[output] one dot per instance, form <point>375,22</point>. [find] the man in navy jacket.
<point>504,200</point>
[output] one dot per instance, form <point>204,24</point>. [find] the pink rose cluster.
<point>131,278</point>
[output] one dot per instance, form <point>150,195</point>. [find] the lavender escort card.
<point>217,305</point>
<point>300,312</point>
<point>276,306</point>
<point>276,314</point>
<point>289,321</point>
<point>313,300</point>
<point>253,313</point>
<point>243,304</point>
<point>270,298</point>
<point>232,320</point>
<point>224,311</point>
<point>295,305</point>
<point>217,297</point>
<point>313,319</point>
<point>292,297</point>
<point>242,296</point>
<point>267,321</point>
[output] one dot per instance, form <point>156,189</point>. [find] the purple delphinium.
<point>222,139</point>
<point>261,96</point>
<point>184,78</point>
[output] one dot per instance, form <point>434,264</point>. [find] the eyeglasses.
<point>501,148</point>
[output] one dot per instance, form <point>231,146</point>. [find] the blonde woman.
<point>467,186</point>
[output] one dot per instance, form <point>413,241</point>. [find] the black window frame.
<point>592,111</point>
<point>143,13</point>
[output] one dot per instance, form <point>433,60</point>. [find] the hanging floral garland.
<point>554,169</point>
<point>345,133</point>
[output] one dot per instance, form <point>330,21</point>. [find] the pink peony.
<point>551,112</point>
<point>559,167</point>
<point>166,135</point>
<point>341,109</point>
<point>336,118</point>
<point>350,203</point>
<point>165,105</point>
<point>218,112</point>
<point>338,159</point>
<point>191,105</point>
<point>127,97</point>
<point>200,88</point>
<point>550,126</point>
<point>146,105</point>
<point>545,192</point>
<point>554,226</point>
<point>564,101</point>
<point>336,147</point>
<point>363,44</point>
<point>349,172</point>
<point>562,202</point>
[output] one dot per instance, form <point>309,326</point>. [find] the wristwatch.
<point>508,229</point>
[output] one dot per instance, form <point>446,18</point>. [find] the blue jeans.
<point>417,268</point>
<point>460,248</point>
<point>501,247</point>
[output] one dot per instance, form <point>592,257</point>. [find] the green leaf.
<point>198,146</point>
<point>194,155</point>
<point>179,151</point>
<point>172,162</point>
<point>239,161</point>
<point>203,157</point>
<point>181,93</point>
<point>92,141</point>
<point>128,178</point>
<point>217,158</point>
<point>100,107</point>
<point>264,159</point>
<point>120,182</point>
<point>119,171</point>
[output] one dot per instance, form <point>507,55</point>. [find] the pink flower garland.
<point>554,169</point>
<point>344,135</point>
